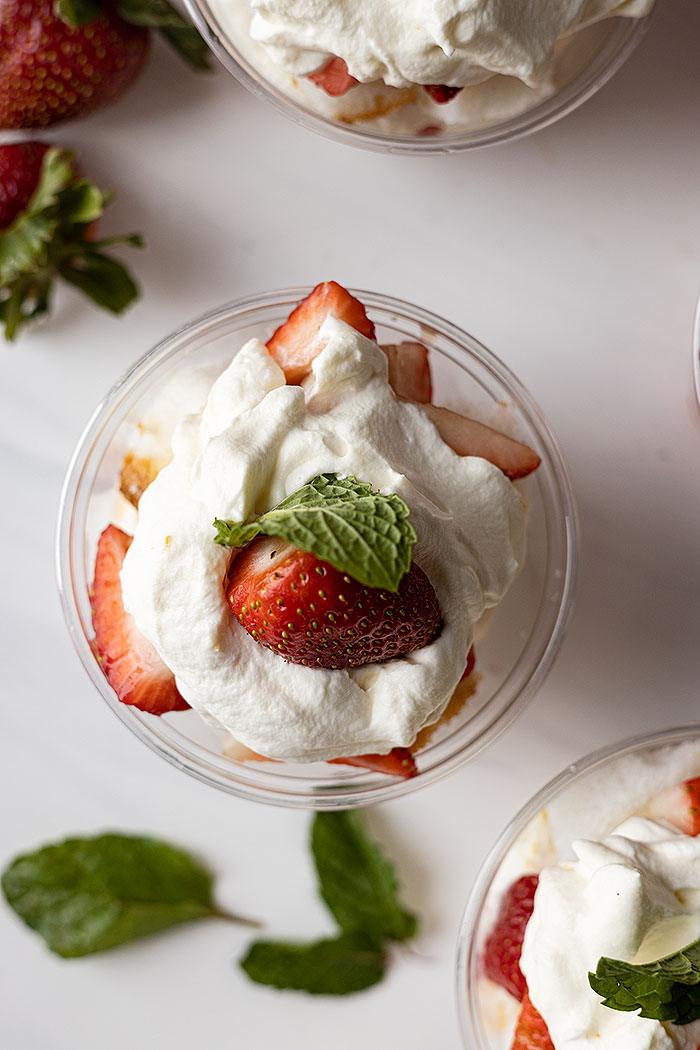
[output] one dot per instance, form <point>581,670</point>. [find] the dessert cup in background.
<point>588,800</point>
<point>406,120</point>
<point>696,352</point>
<point>517,645</point>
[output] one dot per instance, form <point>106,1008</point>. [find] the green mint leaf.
<point>336,966</point>
<point>665,990</point>
<point>357,882</point>
<point>87,894</point>
<point>179,33</point>
<point>342,521</point>
<point>104,280</point>
<point>77,13</point>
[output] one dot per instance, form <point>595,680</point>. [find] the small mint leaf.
<point>665,990</point>
<point>335,966</point>
<point>88,894</point>
<point>77,13</point>
<point>342,521</point>
<point>357,882</point>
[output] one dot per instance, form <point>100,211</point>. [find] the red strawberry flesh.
<point>501,956</point>
<point>334,77</point>
<point>295,343</point>
<point>441,92</point>
<point>409,371</point>
<point>531,1032</point>
<point>310,613</point>
<point>680,806</point>
<point>467,437</point>
<point>20,169</point>
<point>132,666</point>
<point>398,763</point>
<point>51,71</point>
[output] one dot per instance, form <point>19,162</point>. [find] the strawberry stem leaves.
<point>52,236</point>
<point>665,990</point>
<point>342,521</point>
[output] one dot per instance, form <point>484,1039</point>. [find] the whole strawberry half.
<point>503,947</point>
<point>61,59</point>
<point>310,613</point>
<point>132,666</point>
<point>48,213</point>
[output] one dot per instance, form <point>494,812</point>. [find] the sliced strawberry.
<point>501,958</point>
<point>295,343</point>
<point>680,806</point>
<point>334,77</point>
<point>469,438</point>
<point>441,92</point>
<point>306,611</point>
<point>409,371</point>
<point>531,1033</point>
<point>471,664</point>
<point>398,763</point>
<point>132,666</point>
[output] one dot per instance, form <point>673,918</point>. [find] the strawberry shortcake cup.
<point>422,76</point>
<point>281,535</point>
<point>583,928</point>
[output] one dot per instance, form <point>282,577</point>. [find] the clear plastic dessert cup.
<point>569,807</point>
<point>524,633</point>
<point>387,123</point>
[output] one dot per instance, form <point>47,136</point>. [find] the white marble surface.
<point>574,255</point>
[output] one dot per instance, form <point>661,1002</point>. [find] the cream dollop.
<point>257,441</point>
<point>457,42</point>
<point>634,896</point>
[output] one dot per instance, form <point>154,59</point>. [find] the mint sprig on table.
<point>342,521</point>
<point>665,990</point>
<point>359,886</point>
<point>50,238</point>
<point>84,895</point>
<point>151,14</point>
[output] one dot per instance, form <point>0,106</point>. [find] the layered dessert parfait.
<point>591,929</point>
<point>305,545</point>
<point>418,67</point>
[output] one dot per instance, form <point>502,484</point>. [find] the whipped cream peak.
<point>258,440</point>
<point>631,896</point>
<point>456,42</point>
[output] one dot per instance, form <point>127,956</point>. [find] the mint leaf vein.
<point>343,521</point>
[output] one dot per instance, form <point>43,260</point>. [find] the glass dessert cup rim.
<point>621,43</point>
<point>498,712</point>
<point>467,948</point>
<point>696,351</point>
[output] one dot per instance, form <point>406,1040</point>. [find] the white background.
<point>575,256</point>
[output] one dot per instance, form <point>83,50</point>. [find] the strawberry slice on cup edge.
<point>334,77</point>
<point>131,664</point>
<point>680,806</point>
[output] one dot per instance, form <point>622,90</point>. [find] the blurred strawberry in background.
<point>48,216</point>
<point>62,59</point>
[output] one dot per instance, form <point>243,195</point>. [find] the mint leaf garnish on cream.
<point>665,990</point>
<point>342,521</point>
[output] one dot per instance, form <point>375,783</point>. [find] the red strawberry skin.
<point>295,344</point>
<point>20,168</point>
<point>334,77</point>
<point>501,957</point>
<point>531,1033</point>
<point>132,666</point>
<point>310,613</point>
<point>398,763</point>
<point>50,71</point>
<point>680,806</point>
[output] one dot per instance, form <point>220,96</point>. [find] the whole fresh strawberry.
<point>335,586</point>
<point>61,59</point>
<point>501,957</point>
<point>48,213</point>
<point>307,611</point>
